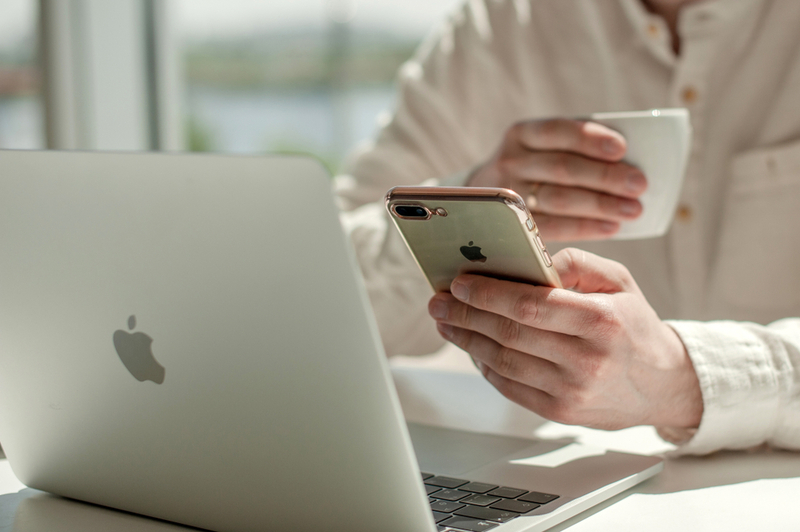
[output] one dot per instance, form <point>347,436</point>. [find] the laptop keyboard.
<point>459,504</point>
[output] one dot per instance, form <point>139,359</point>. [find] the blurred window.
<point>294,76</point>
<point>21,109</point>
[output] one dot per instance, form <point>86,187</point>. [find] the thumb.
<point>589,273</point>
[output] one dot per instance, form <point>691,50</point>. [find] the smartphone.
<point>456,230</point>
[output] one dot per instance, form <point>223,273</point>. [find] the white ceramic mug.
<point>659,142</point>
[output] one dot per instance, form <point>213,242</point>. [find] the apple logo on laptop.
<point>472,253</point>
<point>134,351</point>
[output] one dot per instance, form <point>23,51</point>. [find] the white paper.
<point>564,455</point>
<point>770,505</point>
<point>636,440</point>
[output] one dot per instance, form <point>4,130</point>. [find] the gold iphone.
<point>455,230</point>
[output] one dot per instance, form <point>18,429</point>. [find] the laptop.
<point>187,337</point>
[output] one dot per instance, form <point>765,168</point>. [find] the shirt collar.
<point>711,16</point>
<point>701,18</point>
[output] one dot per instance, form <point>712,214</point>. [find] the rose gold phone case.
<point>490,226</point>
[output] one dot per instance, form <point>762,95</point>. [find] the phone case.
<point>455,230</point>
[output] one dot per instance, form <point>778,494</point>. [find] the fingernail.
<point>459,290</point>
<point>636,182</point>
<point>445,330</point>
<point>438,309</point>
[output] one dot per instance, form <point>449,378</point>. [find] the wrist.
<point>682,409</point>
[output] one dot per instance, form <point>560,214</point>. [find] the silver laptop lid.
<point>267,403</point>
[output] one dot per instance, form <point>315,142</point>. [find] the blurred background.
<point>243,76</point>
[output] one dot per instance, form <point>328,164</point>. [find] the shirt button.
<point>689,95</point>
<point>684,213</point>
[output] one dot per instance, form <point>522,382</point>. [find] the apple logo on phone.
<point>134,351</point>
<point>472,253</point>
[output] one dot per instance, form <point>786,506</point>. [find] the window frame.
<point>111,75</point>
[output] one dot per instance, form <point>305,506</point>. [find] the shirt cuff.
<point>738,383</point>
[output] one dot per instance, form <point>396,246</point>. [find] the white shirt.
<point>733,252</point>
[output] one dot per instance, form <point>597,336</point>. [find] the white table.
<point>731,491</point>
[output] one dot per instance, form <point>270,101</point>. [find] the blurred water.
<point>245,121</point>
<point>311,120</point>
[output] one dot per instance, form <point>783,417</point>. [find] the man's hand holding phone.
<point>595,355</point>
<point>573,173</point>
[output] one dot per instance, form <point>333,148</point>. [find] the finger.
<point>589,273</point>
<point>582,203</point>
<point>578,136</point>
<point>507,333</point>
<point>569,169</point>
<point>511,364</point>
<point>566,228</point>
<point>541,307</point>
<point>528,397</point>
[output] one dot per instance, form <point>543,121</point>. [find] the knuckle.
<point>607,204</point>
<point>594,368</point>
<point>481,296</point>
<point>466,340</point>
<point>604,321</point>
<point>551,131</point>
<point>576,392</point>
<point>509,333</point>
<point>461,315</point>
<point>505,362</point>
<point>561,168</point>
<point>608,176</point>
<point>526,310</point>
<point>624,275</point>
<point>558,198</point>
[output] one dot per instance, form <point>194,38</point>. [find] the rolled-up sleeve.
<point>749,376</point>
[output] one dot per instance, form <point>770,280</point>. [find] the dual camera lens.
<point>417,212</point>
<point>411,211</point>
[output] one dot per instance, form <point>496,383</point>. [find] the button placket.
<point>688,256</point>
<point>689,90</point>
<point>656,37</point>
